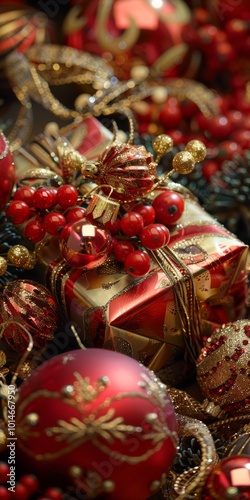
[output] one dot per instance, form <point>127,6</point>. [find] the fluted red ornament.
<point>129,169</point>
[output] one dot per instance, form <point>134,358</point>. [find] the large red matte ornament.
<point>97,419</point>
<point>7,172</point>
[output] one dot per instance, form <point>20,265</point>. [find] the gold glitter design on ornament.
<point>108,427</point>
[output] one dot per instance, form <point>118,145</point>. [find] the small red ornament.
<point>17,212</point>
<point>109,419</point>
<point>230,478</point>
<point>34,230</point>
<point>53,222</point>
<point>66,196</point>
<point>44,198</point>
<point>7,171</point>
<point>129,169</point>
<point>85,244</point>
<point>122,249</point>
<point>147,212</point>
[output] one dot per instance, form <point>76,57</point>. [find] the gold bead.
<point>183,162</point>
<point>3,266</point>
<point>162,144</point>
<point>18,255</point>
<point>197,150</point>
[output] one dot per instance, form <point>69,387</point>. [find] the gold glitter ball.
<point>162,144</point>
<point>18,255</point>
<point>197,150</point>
<point>3,266</point>
<point>183,162</point>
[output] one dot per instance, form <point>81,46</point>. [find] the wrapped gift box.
<point>140,317</point>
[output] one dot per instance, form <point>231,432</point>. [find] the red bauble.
<point>54,222</point>
<point>7,172</point>
<point>85,244</point>
<point>230,475</point>
<point>44,198</point>
<point>130,170</point>
<point>169,207</point>
<point>32,306</point>
<point>109,418</point>
<point>34,230</point>
<point>25,193</point>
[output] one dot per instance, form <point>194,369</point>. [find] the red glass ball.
<point>169,207</point>
<point>132,223</point>
<point>7,172</point>
<point>54,222</point>
<point>147,212</point>
<point>44,198</point>
<point>137,263</point>
<point>34,230</point>
<point>25,193</point>
<point>66,196</point>
<point>155,236</point>
<point>171,114</point>
<point>229,475</point>
<point>17,212</point>
<point>108,415</point>
<point>122,249</point>
<point>85,244</point>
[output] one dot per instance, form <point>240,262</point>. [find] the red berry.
<point>44,198</point>
<point>228,149</point>
<point>113,228</point>
<point>137,263</point>
<point>30,482</point>
<point>122,249</point>
<point>4,470</point>
<point>220,127</point>
<point>75,213</point>
<point>132,223</point>
<point>236,118</point>
<point>242,137</point>
<point>21,492</point>
<point>4,493</point>
<point>146,211</point>
<point>155,236</point>
<point>17,212</point>
<point>25,193</point>
<point>34,230</point>
<point>53,493</point>
<point>54,222</point>
<point>66,196</point>
<point>209,168</point>
<point>171,114</point>
<point>169,207</point>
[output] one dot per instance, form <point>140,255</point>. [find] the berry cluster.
<point>44,210</point>
<point>145,226</point>
<point>26,488</point>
